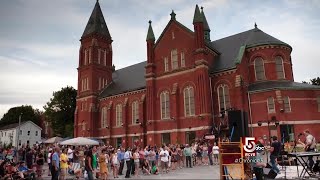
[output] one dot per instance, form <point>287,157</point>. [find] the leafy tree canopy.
<point>27,114</point>
<point>60,111</point>
<point>314,81</point>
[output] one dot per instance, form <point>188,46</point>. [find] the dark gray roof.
<point>11,126</point>
<point>127,79</point>
<point>132,77</point>
<point>229,47</point>
<point>96,23</point>
<point>289,85</point>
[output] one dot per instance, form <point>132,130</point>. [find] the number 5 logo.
<point>249,144</point>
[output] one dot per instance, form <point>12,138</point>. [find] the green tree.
<point>60,111</point>
<point>315,81</point>
<point>28,114</point>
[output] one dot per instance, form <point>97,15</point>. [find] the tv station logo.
<point>249,146</point>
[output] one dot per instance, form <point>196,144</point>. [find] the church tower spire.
<point>96,23</point>
<point>94,71</point>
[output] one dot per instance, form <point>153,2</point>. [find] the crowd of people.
<point>103,162</point>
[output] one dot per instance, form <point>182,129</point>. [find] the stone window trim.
<point>189,104</point>
<point>165,105</point>
<point>104,116</point>
<point>182,59</point>
<point>118,115</point>
<point>270,105</point>
<point>166,64</point>
<point>286,104</point>
<point>174,59</point>
<point>223,97</point>
<point>279,67</point>
<point>135,111</point>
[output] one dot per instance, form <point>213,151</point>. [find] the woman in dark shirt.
<point>88,164</point>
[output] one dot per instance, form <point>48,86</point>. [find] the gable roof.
<point>96,23</point>
<point>15,125</point>
<point>230,51</point>
<point>127,79</point>
<point>230,47</point>
<point>286,85</point>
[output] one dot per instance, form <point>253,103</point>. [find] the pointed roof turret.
<point>205,22</point>
<point>197,15</point>
<point>96,23</point>
<point>150,35</point>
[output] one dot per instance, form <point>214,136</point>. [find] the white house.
<point>30,134</point>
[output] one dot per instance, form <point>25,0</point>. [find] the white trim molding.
<point>304,122</point>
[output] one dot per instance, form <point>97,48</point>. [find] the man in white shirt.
<point>70,154</point>
<point>127,159</point>
<point>164,157</point>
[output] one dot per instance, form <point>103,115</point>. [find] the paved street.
<point>198,172</point>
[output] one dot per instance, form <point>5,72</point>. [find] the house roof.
<point>96,23</point>
<point>229,47</point>
<point>286,85</point>
<point>127,79</point>
<point>15,125</point>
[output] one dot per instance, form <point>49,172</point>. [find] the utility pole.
<point>18,136</point>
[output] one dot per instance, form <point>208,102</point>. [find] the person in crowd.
<point>103,165</point>
<point>179,157</point>
<point>258,164</point>
<point>94,159</point>
<point>174,160</point>
<point>70,154</point>
<point>29,158</point>
<point>88,164</point>
<point>210,154</point>
<point>275,152</point>
<point>114,163</point>
<point>205,154</point>
<point>55,164</point>
<point>310,145</point>
<point>27,173</point>
<point>152,157</point>
<point>63,164</point>
<point>121,160</point>
<point>76,163</point>
<point>164,158</point>
<point>215,153</point>
<point>40,163</point>
<point>49,161</point>
<point>199,154</point>
<point>194,153</point>
<point>136,160</point>
<point>141,156</point>
<point>146,168</point>
<point>127,159</point>
<point>187,151</point>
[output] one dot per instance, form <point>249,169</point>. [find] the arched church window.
<point>164,105</point>
<point>223,97</point>
<point>279,67</point>
<point>259,69</point>
<point>188,94</point>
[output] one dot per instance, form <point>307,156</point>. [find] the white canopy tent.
<point>79,141</point>
<point>52,140</point>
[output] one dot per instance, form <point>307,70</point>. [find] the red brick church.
<point>188,84</point>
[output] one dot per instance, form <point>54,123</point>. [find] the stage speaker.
<point>238,123</point>
<point>269,173</point>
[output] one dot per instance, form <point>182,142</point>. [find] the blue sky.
<point>39,39</point>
